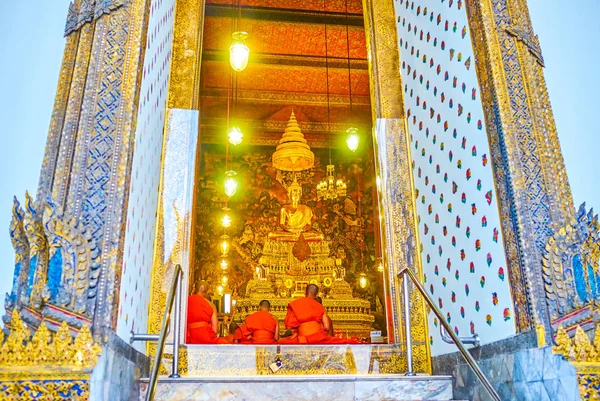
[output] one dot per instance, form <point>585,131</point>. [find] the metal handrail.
<point>472,340</point>
<point>174,294</point>
<point>468,357</point>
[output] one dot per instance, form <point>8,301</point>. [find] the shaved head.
<point>202,287</point>
<point>312,290</point>
<point>265,304</point>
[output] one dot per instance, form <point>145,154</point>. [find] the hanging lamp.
<point>239,52</point>
<point>329,188</point>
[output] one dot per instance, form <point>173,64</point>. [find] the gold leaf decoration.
<point>21,349</point>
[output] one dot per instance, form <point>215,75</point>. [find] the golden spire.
<point>293,152</point>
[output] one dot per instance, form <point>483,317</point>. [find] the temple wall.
<point>464,263</point>
<point>145,174</point>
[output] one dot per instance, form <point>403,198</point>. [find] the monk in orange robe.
<point>310,320</point>
<point>243,335</point>
<point>263,326</point>
<point>230,338</point>
<point>202,323</point>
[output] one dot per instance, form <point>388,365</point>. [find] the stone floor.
<point>304,387</point>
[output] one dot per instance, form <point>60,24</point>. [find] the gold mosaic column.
<point>395,183</point>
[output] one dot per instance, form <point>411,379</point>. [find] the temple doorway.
<point>307,77</point>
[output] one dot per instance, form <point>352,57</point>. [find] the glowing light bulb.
<point>230,183</point>
<point>220,290</point>
<point>362,281</point>
<point>226,221</point>
<point>380,267</point>
<point>224,264</point>
<point>239,52</point>
<point>225,247</point>
<point>224,280</point>
<point>235,136</point>
<point>352,139</point>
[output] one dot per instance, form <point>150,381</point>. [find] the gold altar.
<point>293,255</point>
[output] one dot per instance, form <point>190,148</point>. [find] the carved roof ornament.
<point>84,11</point>
<point>525,35</point>
<point>293,152</point>
<point>570,266</point>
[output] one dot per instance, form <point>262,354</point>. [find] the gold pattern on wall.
<point>58,116</point>
<point>584,355</point>
<point>47,349</point>
<point>184,82</point>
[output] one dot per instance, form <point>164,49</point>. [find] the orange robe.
<point>263,327</point>
<point>243,335</point>
<point>199,327</point>
<point>306,315</point>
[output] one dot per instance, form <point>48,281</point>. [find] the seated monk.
<point>310,319</point>
<point>202,323</point>
<point>230,338</point>
<point>263,326</point>
<point>330,332</point>
<point>242,335</point>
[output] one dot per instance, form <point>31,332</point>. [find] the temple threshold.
<point>296,372</point>
<point>256,360</point>
<point>305,387</point>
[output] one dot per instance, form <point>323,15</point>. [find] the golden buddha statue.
<point>295,218</point>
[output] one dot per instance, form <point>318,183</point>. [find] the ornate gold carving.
<point>568,257</point>
<point>495,101</point>
<point>54,388</point>
<point>384,59</point>
<point>78,252</point>
<point>38,253</point>
<point>584,356</point>
<point>540,331</point>
<point>184,84</point>
<point>46,349</point>
<point>21,247</point>
<point>58,117</point>
<point>70,122</point>
<point>293,152</point>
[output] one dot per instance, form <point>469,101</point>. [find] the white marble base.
<point>305,387</point>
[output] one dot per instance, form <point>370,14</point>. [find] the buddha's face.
<point>295,194</point>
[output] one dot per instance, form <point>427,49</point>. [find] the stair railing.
<point>406,273</point>
<point>174,295</point>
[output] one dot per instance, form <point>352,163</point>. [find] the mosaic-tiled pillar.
<point>535,197</point>
<point>88,156</point>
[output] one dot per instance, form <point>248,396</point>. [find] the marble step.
<point>304,387</point>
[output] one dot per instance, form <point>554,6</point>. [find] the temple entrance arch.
<point>198,95</point>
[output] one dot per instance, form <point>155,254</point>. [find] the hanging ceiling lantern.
<point>239,52</point>
<point>225,247</point>
<point>329,188</point>
<point>362,281</point>
<point>235,136</point>
<point>230,183</point>
<point>224,264</point>
<point>352,139</point>
<point>224,280</point>
<point>226,221</point>
<point>380,267</point>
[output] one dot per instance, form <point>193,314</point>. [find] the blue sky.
<point>31,52</point>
